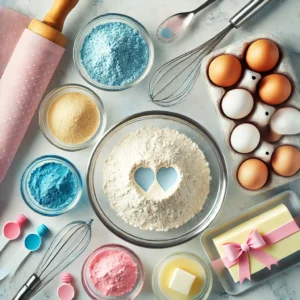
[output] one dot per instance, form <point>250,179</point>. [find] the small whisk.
<point>172,82</point>
<point>66,246</point>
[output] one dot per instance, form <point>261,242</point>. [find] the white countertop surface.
<point>281,18</point>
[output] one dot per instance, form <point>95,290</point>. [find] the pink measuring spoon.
<point>11,230</point>
<point>66,291</point>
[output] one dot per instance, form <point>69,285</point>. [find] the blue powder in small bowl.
<point>51,185</point>
<point>114,54</point>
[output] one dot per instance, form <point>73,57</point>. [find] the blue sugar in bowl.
<point>101,67</point>
<point>51,185</point>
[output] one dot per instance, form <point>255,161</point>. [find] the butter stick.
<point>264,223</point>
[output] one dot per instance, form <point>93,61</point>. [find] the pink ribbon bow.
<point>236,253</point>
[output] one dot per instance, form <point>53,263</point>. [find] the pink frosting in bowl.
<point>113,272</point>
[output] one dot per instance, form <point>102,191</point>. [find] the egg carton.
<point>261,112</point>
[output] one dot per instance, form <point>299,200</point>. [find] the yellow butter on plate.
<point>264,223</point>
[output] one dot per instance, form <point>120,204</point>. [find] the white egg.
<point>245,138</point>
<point>237,104</point>
<point>286,121</point>
<point>271,136</point>
<point>262,114</point>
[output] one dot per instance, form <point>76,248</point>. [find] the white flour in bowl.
<point>156,209</point>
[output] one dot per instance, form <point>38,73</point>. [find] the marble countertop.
<point>281,18</point>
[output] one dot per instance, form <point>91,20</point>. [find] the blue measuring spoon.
<point>32,242</point>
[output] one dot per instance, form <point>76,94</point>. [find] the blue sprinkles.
<point>114,54</point>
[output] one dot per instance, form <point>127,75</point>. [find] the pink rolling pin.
<point>11,230</point>
<point>27,76</point>
<point>12,25</point>
<point>66,291</point>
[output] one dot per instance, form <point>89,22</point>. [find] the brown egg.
<point>225,70</point>
<point>262,55</point>
<point>274,89</point>
<point>252,174</point>
<point>286,160</point>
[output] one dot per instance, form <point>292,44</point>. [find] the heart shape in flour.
<point>166,177</point>
<point>145,177</point>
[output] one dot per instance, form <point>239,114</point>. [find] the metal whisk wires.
<point>173,81</point>
<point>66,246</point>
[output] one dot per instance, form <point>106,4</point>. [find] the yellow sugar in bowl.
<point>181,276</point>
<point>72,117</point>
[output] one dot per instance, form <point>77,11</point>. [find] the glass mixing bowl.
<point>109,18</point>
<point>157,239</point>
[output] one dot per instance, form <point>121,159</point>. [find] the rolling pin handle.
<point>55,18</point>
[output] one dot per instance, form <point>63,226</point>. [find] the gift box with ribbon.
<point>264,240</point>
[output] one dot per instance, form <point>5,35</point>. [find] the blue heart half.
<point>166,177</point>
<point>144,177</point>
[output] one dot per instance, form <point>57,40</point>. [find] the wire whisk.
<point>173,81</point>
<point>66,246</point>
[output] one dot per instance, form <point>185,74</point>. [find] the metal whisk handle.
<point>26,290</point>
<point>247,12</point>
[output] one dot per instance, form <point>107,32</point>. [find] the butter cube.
<point>181,281</point>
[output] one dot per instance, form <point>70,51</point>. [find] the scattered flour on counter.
<point>156,209</point>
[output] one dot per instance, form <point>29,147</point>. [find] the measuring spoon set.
<point>31,243</point>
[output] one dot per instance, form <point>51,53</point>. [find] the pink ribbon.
<point>239,254</point>
<point>236,253</point>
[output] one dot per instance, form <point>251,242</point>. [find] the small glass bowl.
<point>207,286</point>
<point>109,18</point>
<point>28,198</point>
<point>51,97</point>
<point>89,286</point>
